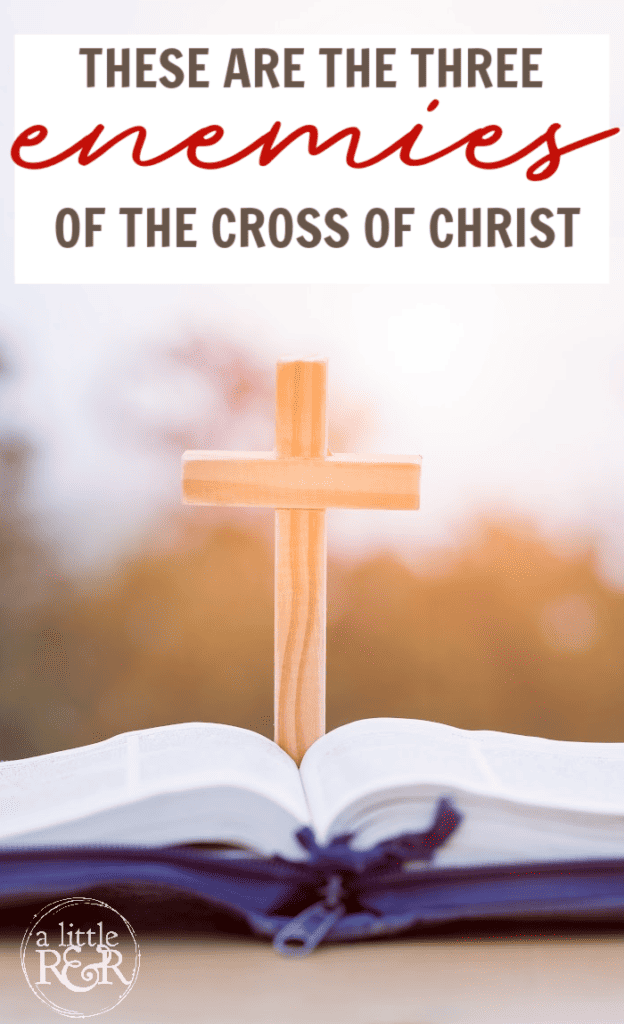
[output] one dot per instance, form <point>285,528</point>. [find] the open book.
<point>521,798</point>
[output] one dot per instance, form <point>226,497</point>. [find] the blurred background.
<point>499,605</point>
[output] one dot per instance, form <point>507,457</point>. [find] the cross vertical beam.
<point>300,564</point>
<point>300,480</point>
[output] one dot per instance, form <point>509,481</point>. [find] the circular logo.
<point>80,957</point>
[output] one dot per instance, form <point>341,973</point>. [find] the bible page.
<point>42,791</point>
<point>359,760</point>
<point>555,773</point>
<point>378,754</point>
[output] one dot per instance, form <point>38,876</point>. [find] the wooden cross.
<point>300,480</point>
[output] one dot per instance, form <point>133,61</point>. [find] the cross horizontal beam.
<point>271,481</point>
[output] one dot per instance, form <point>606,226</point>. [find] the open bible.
<point>520,798</point>
<point>388,824</point>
